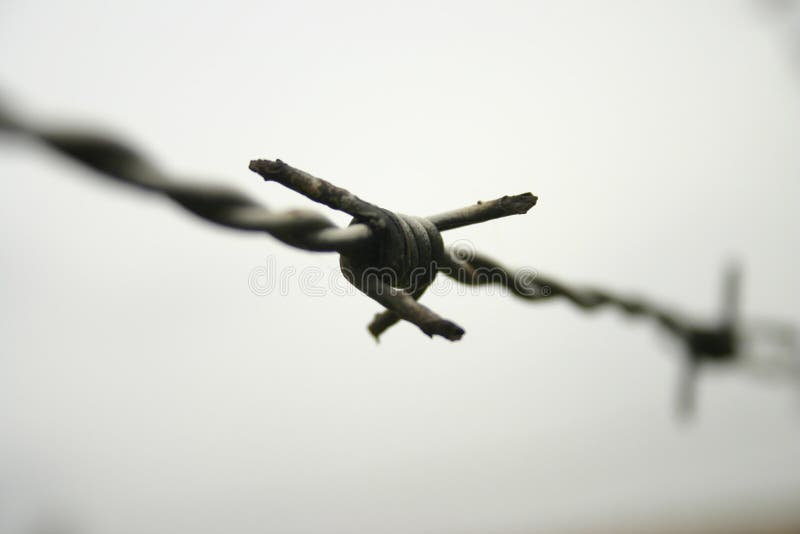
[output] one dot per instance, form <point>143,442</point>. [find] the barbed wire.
<point>377,243</point>
<point>391,257</point>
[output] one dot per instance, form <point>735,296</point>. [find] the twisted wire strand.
<point>480,270</point>
<point>216,203</point>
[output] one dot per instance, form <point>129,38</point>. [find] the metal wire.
<point>379,242</point>
<point>216,203</point>
<point>377,238</point>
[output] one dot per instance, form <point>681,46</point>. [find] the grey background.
<point>145,388</point>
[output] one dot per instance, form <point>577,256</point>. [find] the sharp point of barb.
<point>520,204</point>
<point>448,330</point>
<point>266,167</point>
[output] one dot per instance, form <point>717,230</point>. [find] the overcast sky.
<point>145,388</point>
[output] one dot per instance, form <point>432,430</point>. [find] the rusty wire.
<point>390,257</point>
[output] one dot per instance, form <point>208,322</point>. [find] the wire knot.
<point>407,252</point>
<point>403,261</point>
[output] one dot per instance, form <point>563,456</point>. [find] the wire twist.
<point>392,258</point>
